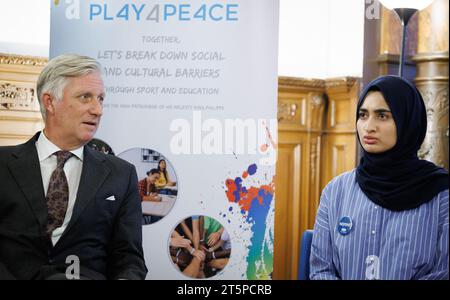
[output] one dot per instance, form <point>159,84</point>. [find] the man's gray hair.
<point>53,77</point>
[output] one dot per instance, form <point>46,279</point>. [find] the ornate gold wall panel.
<point>339,140</point>
<point>301,165</point>
<point>20,117</point>
<point>288,213</point>
<point>432,79</point>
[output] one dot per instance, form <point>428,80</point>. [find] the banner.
<point>191,91</point>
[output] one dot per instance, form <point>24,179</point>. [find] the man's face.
<point>76,116</point>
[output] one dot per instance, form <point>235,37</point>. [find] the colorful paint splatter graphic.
<point>255,204</point>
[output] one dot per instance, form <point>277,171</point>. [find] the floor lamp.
<point>405,9</point>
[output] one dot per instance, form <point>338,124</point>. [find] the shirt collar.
<point>45,148</point>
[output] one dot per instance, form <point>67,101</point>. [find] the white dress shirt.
<point>72,169</point>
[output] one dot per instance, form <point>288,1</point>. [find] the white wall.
<point>346,38</point>
<point>25,27</point>
<point>321,38</point>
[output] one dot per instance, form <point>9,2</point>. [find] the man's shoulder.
<point>118,162</point>
<point>112,160</point>
<point>7,151</point>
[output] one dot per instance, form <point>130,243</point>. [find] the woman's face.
<point>376,127</point>
<point>162,165</point>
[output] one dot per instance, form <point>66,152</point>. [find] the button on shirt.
<point>382,244</point>
<point>72,169</point>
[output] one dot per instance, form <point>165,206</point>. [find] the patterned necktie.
<point>57,193</point>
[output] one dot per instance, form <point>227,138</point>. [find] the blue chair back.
<point>305,252</point>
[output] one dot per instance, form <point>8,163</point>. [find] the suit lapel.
<point>26,170</point>
<point>93,174</point>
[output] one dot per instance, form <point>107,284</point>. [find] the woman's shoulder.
<point>441,202</point>
<point>443,194</point>
<point>342,180</point>
<point>442,197</point>
<point>340,188</point>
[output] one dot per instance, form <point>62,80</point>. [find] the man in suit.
<point>68,211</point>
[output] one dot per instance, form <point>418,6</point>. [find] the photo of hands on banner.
<point>200,247</point>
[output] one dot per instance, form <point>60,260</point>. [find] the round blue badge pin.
<point>345,225</point>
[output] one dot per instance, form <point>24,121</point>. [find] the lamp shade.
<point>414,4</point>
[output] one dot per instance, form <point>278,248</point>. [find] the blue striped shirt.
<point>382,244</point>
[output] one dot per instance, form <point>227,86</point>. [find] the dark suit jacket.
<point>105,235</point>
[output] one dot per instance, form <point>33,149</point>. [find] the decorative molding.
<point>387,58</point>
<point>316,111</point>
<point>314,160</point>
<point>287,111</point>
<point>431,56</point>
<point>15,136</point>
<point>21,119</point>
<point>338,150</point>
<point>347,82</point>
<point>431,68</point>
<point>317,100</point>
<point>333,114</point>
<point>303,112</point>
<point>435,145</point>
<point>295,82</point>
<point>17,98</point>
<point>22,60</point>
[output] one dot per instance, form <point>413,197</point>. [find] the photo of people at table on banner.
<point>157,183</point>
<point>200,247</point>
